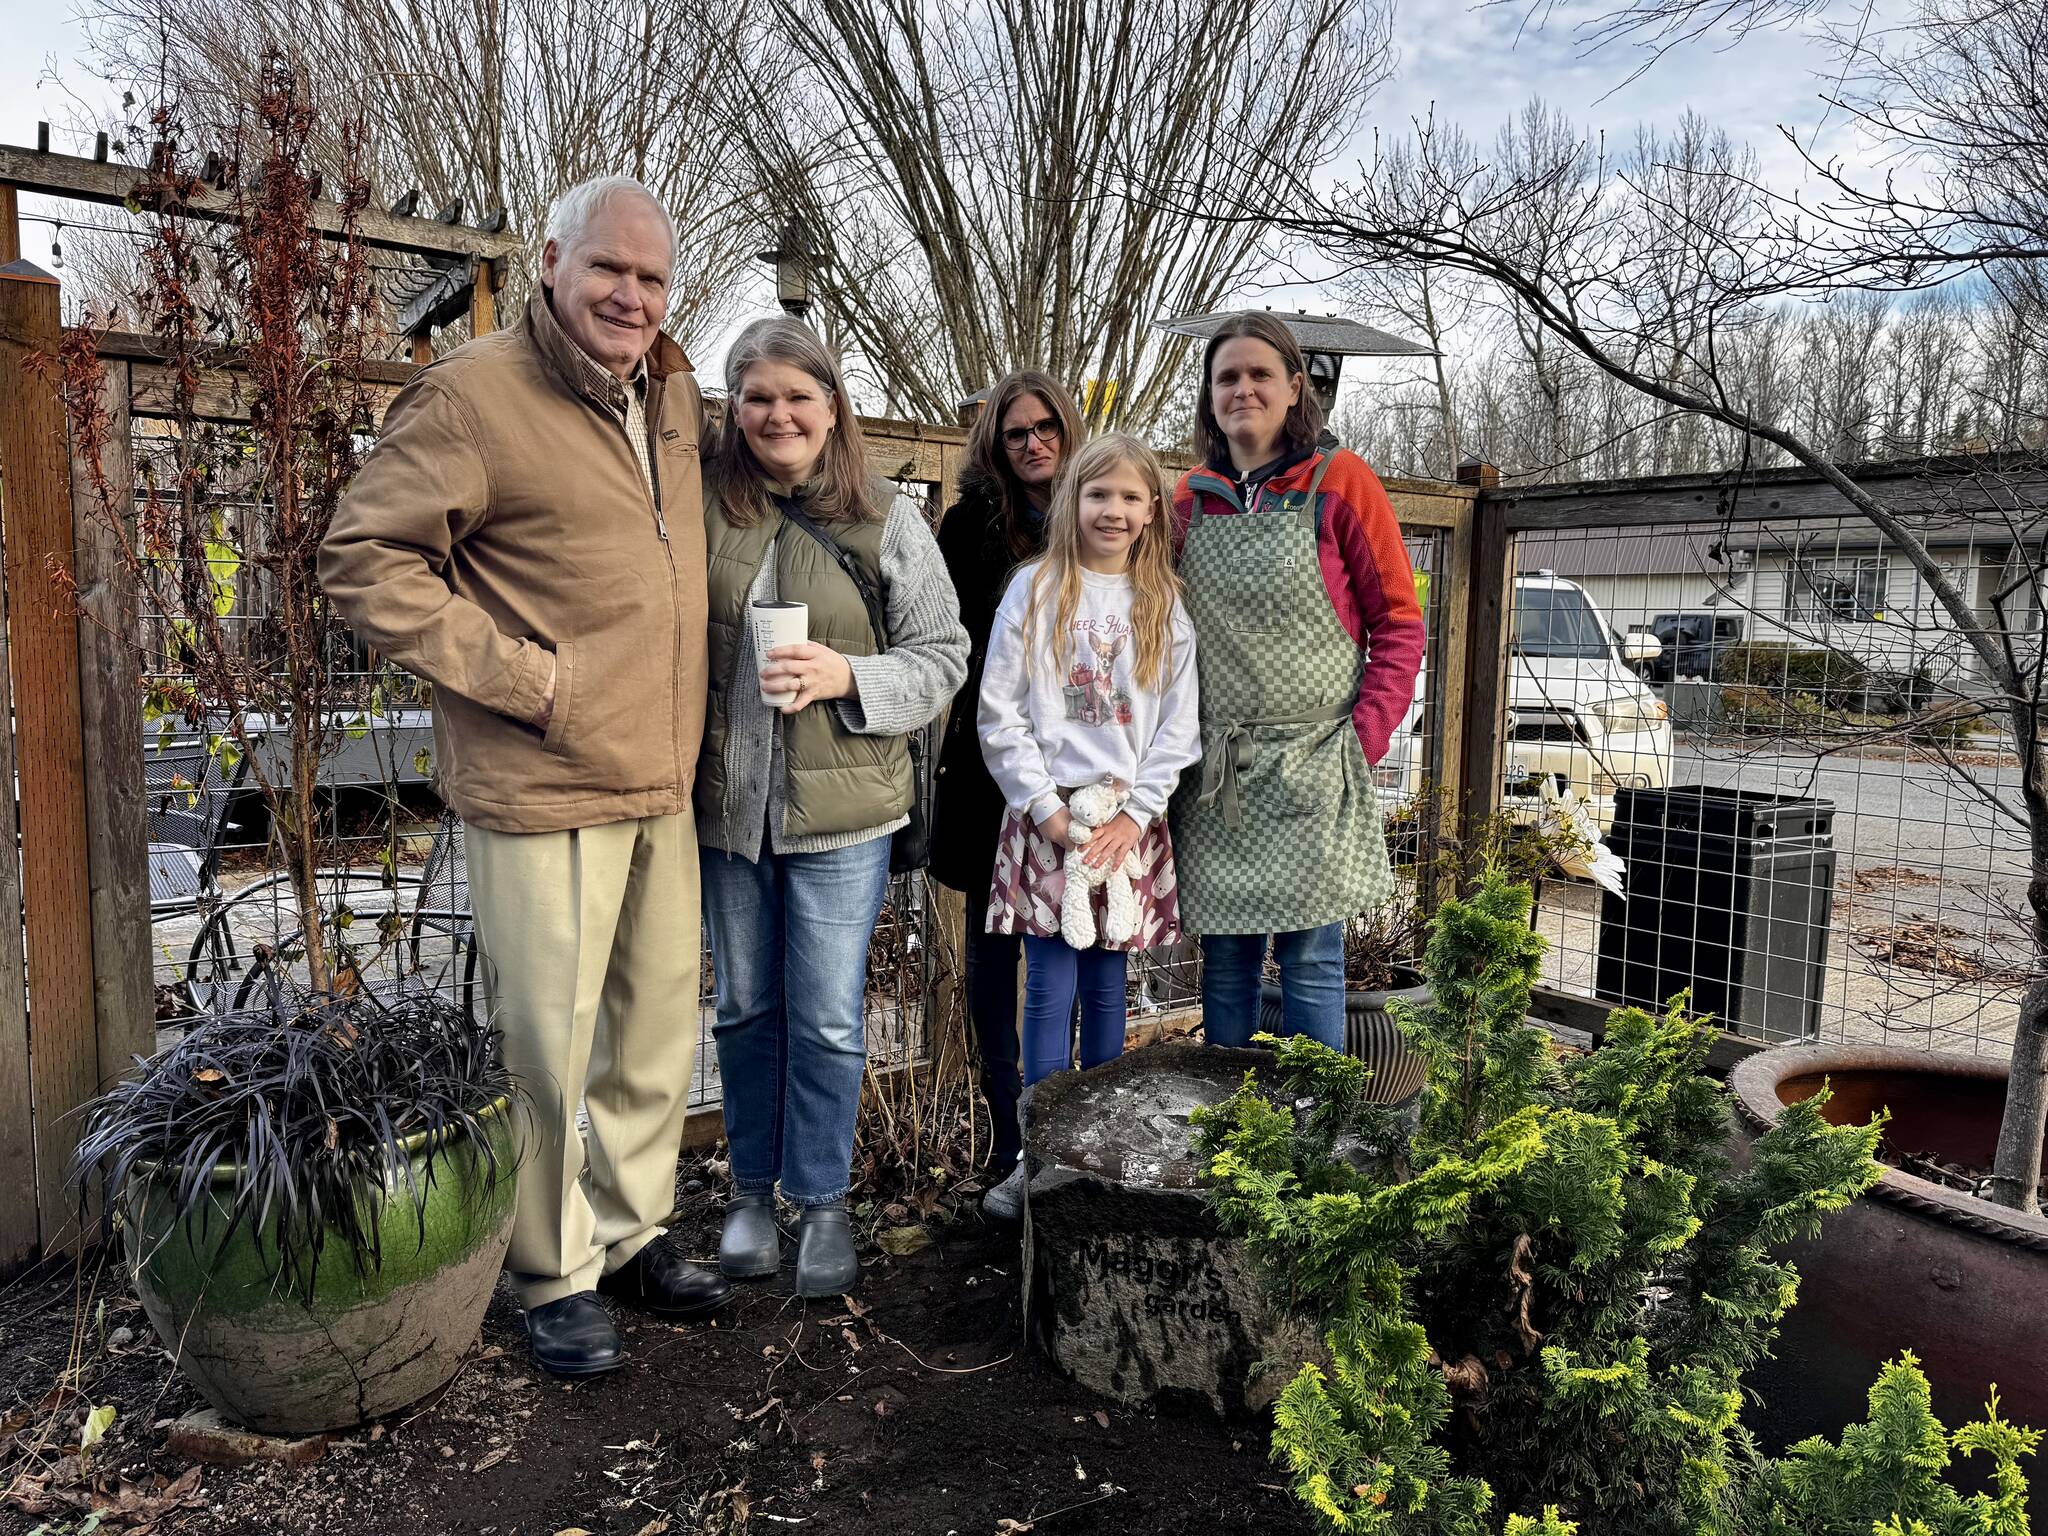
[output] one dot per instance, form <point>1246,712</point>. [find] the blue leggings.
<point>1054,973</point>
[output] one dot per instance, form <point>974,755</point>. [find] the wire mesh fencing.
<point>391,903</point>
<point>1801,759</point>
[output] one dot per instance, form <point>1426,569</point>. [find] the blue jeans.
<point>991,984</point>
<point>789,943</point>
<point>1311,984</point>
<point>1054,974</point>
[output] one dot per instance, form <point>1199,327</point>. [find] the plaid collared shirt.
<point>627,402</point>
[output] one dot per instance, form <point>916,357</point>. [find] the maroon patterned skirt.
<point>1031,877</point>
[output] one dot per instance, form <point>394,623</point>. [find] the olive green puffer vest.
<point>835,781</point>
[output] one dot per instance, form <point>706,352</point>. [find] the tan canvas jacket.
<point>503,515</point>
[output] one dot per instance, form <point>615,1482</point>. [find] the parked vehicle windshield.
<point>1559,622</point>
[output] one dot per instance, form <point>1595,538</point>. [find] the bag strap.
<point>870,595</point>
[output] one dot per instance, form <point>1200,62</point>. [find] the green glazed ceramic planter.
<point>368,1340</point>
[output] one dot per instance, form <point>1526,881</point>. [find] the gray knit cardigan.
<point>897,691</point>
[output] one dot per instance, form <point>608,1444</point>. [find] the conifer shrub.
<point>1540,1303</point>
<point>1885,1476</point>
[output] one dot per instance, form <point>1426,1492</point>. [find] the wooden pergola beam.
<point>114,185</point>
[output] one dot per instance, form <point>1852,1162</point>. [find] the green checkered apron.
<point>1280,829</point>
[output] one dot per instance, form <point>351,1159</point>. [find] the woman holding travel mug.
<point>797,801</point>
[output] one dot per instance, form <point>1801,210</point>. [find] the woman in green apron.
<point>1311,637</point>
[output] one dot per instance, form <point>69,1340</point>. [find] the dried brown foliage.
<point>221,535</point>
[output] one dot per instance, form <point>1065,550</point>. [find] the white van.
<point>1577,711</point>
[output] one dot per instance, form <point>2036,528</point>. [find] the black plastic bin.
<point>1730,894</point>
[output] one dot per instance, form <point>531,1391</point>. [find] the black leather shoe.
<point>663,1282</point>
<point>573,1337</point>
<point>826,1264</point>
<point>750,1245</point>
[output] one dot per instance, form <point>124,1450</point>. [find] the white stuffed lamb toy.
<point>1092,806</point>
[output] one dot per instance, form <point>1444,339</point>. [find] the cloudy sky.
<point>1479,63</point>
<point>1476,63</point>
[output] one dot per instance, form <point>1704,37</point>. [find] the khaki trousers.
<point>591,941</point>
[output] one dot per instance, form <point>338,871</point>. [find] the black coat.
<point>969,813</point>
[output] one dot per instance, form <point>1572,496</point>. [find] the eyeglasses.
<point>1046,431</point>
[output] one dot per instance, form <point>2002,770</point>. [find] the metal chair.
<point>185,807</point>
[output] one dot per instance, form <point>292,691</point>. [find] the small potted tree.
<point>315,1193</point>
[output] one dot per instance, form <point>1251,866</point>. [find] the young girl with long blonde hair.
<point>1090,678</point>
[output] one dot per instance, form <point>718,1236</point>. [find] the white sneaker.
<point>1005,1202</point>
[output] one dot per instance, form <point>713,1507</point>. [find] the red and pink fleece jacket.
<point>1365,572</point>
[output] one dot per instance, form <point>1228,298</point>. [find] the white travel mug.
<point>776,624</point>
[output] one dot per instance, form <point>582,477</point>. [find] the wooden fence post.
<point>110,711</point>
<point>1483,614</point>
<point>20,1226</point>
<point>10,224</point>
<point>483,299</point>
<point>50,759</point>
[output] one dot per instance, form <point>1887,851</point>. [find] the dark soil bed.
<point>916,1412</point>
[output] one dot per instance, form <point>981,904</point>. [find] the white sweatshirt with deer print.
<point>1072,713</point>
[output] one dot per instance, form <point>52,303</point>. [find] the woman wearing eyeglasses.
<point>1023,435</point>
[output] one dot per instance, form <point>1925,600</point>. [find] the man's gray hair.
<point>569,218</point>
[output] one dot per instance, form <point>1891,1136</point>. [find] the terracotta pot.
<point>1912,1265</point>
<point>1371,1035</point>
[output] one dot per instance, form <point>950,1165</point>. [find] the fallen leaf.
<point>134,1505</point>
<point>903,1241</point>
<point>852,1342</point>
<point>654,1527</point>
<point>572,1530</point>
<point>490,1459</point>
<point>1467,1378</point>
<point>881,1409</point>
<point>817,1461</point>
<point>97,1423</point>
<point>1079,1475</point>
<point>1008,1527</point>
<point>1102,1418</point>
<point>58,1397</point>
<point>762,1411</point>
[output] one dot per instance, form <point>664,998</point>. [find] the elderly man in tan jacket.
<point>528,536</point>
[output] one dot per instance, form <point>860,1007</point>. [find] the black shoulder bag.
<point>911,848</point>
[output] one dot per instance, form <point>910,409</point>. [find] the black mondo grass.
<point>312,1110</point>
